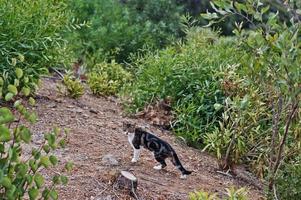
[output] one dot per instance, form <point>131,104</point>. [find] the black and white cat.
<point>139,137</point>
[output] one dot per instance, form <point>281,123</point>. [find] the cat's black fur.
<point>139,137</point>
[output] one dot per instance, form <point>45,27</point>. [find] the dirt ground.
<point>96,130</point>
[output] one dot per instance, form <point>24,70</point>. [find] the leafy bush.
<point>268,122</point>
<point>118,29</point>
<point>30,39</point>
<point>290,177</point>
<point>107,78</point>
<point>74,87</point>
<point>231,193</point>
<point>188,73</point>
<point>20,171</point>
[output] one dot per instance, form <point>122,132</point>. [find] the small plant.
<point>20,171</point>
<point>74,87</point>
<point>107,78</point>
<point>202,196</point>
<point>231,194</point>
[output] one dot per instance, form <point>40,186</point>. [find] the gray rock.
<point>109,160</point>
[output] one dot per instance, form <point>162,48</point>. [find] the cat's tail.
<point>175,160</point>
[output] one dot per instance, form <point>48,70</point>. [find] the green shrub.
<point>290,177</point>
<point>118,29</point>
<point>188,73</point>
<point>30,39</point>
<point>20,171</point>
<point>107,78</point>
<point>74,87</point>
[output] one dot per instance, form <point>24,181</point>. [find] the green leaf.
<point>217,106</point>
<point>17,103</point>
<point>56,179</point>
<point>53,160</point>
<point>6,116</point>
<point>19,72</point>
<point>33,193</point>
<point>44,160</point>
<point>64,180</point>
<point>39,180</point>
<point>25,135</point>
<point>1,81</point>
<point>8,96</point>
<point>13,61</point>
<point>2,149</point>
<point>16,82</point>
<point>13,89</point>
<point>245,102</point>
<point>32,118</point>
<point>53,195</point>
<point>4,134</point>
<point>21,170</point>
<point>209,16</point>
<point>25,91</point>
<point>46,148</point>
<point>33,165</point>
<point>6,182</point>
<point>31,101</point>
<point>69,166</point>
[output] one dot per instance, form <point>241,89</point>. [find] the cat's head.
<point>128,127</point>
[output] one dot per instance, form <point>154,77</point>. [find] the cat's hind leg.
<point>161,160</point>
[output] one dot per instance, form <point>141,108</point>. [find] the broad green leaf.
<point>16,82</point>
<point>217,106</point>
<point>21,170</point>
<point>6,182</point>
<point>44,161</point>
<point>33,193</point>
<point>19,72</point>
<point>53,195</point>
<point>69,166</point>
<point>46,148</point>
<point>56,179</point>
<point>9,96</point>
<point>13,89</point>
<point>32,118</point>
<point>53,160</point>
<point>39,180</point>
<point>17,103</point>
<point>25,91</point>
<point>64,180</point>
<point>6,116</point>
<point>25,135</point>
<point>31,101</point>
<point>13,61</point>
<point>4,134</point>
<point>33,165</point>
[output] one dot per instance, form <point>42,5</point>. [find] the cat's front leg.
<point>136,155</point>
<point>135,146</point>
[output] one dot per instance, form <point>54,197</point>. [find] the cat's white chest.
<point>131,137</point>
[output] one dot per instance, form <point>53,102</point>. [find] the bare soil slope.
<point>95,125</point>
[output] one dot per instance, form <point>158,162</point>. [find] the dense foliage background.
<point>231,69</point>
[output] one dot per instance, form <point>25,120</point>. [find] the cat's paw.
<point>134,160</point>
<point>183,176</point>
<point>158,167</point>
